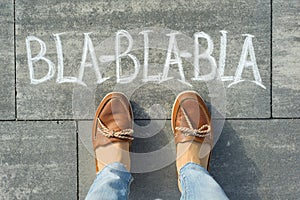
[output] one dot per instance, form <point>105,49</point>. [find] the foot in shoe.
<point>111,153</point>
<point>112,131</point>
<point>189,152</point>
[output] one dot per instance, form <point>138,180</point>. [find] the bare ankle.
<point>188,152</point>
<point>115,152</point>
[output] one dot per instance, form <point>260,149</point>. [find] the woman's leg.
<point>193,134</point>
<point>112,182</point>
<point>197,184</point>
<point>111,138</point>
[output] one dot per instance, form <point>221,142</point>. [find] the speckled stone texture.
<point>286,60</point>
<point>38,160</point>
<point>50,100</point>
<point>251,160</point>
<point>7,69</point>
<point>45,128</point>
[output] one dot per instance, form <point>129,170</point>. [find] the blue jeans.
<point>113,182</point>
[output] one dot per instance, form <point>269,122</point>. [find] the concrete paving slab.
<point>286,61</point>
<point>38,160</point>
<point>67,22</point>
<point>258,159</point>
<point>158,140</point>
<point>252,160</point>
<point>7,69</point>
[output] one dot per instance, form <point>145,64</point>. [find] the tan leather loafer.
<point>191,121</point>
<point>191,125</point>
<point>113,121</point>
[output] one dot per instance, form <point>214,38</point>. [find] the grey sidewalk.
<point>45,127</point>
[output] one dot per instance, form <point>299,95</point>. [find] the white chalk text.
<point>174,57</point>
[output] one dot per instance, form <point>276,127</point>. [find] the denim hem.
<point>192,164</point>
<point>119,168</point>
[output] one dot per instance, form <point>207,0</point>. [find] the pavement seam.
<point>271,58</point>
<point>15,57</point>
<point>77,161</point>
<point>88,120</point>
